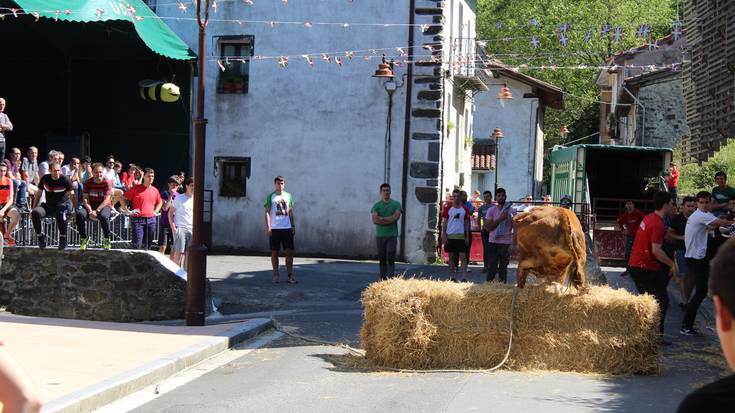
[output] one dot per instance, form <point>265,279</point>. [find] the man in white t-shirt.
<point>280,227</point>
<point>181,221</point>
<point>696,234</point>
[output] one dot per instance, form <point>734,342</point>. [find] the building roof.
<point>549,94</point>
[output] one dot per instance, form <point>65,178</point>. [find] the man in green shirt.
<point>386,213</point>
<point>721,194</point>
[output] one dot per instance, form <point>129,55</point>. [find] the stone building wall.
<point>666,119</point>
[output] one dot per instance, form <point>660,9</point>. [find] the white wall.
<point>518,120</point>
<point>322,127</point>
<point>457,157</point>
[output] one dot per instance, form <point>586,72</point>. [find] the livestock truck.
<point>598,179</point>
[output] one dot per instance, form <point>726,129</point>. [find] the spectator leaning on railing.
<point>58,191</point>
<point>147,202</point>
<point>7,209</point>
<point>96,203</point>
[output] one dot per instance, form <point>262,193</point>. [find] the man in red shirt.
<point>629,222</point>
<point>647,256</point>
<point>147,203</point>
<point>673,181</point>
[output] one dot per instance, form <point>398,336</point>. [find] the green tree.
<point>505,26</point>
<point>694,177</point>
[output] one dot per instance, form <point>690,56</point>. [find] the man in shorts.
<point>7,206</point>
<point>181,218</point>
<point>165,236</point>
<point>280,227</point>
<point>385,214</point>
<point>455,234</point>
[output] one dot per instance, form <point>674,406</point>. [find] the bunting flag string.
<point>184,8</point>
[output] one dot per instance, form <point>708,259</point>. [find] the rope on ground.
<point>277,327</point>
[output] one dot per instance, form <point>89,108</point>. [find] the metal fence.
<point>120,232</point>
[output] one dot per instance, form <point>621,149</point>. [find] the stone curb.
<point>115,388</point>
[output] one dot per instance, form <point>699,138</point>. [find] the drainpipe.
<point>407,130</point>
<point>643,126</point>
<point>532,146</point>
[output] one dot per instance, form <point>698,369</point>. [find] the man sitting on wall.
<point>96,203</point>
<point>58,191</point>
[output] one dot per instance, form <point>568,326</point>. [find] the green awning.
<point>151,29</point>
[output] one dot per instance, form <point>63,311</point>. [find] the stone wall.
<point>116,285</point>
<point>666,118</point>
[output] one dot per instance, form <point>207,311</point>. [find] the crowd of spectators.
<point>83,190</point>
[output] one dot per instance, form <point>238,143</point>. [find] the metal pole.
<point>388,142</point>
<point>497,167</point>
<point>197,254</point>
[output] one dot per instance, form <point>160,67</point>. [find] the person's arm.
<point>493,223</point>
<point>377,220</point>
<point>73,198</point>
<point>167,203</point>
<point>621,223</point>
<point>395,217</point>
<point>719,222</point>
<point>85,202</point>
<point>105,202</point>
<point>158,206</point>
<point>672,235</point>
<point>660,255</point>
<point>293,222</point>
<point>6,126</point>
<point>467,233</point>
<point>171,212</point>
<point>268,221</point>
<point>9,203</point>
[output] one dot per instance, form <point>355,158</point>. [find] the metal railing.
<point>120,232</point>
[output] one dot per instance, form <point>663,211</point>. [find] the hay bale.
<point>423,324</point>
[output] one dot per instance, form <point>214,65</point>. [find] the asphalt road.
<point>292,374</point>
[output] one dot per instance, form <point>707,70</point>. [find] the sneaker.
<point>84,243</point>
<point>106,244</point>
<point>691,332</point>
<point>727,231</point>
<point>62,243</point>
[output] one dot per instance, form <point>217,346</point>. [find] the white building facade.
<point>520,153</point>
<point>320,118</point>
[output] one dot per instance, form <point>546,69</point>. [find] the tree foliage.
<point>694,177</point>
<point>505,27</point>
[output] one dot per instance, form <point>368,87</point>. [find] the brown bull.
<point>551,245</point>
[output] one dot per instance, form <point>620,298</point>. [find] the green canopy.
<point>154,32</point>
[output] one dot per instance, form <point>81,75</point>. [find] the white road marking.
<point>154,391</point>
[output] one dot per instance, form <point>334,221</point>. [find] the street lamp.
<point>197,254</point>
<point>497,136</point>
<point>385,71</point>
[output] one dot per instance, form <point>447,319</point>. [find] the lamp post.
<point>497,136</point>
<point>385,71</point>
<point>197,254</point>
